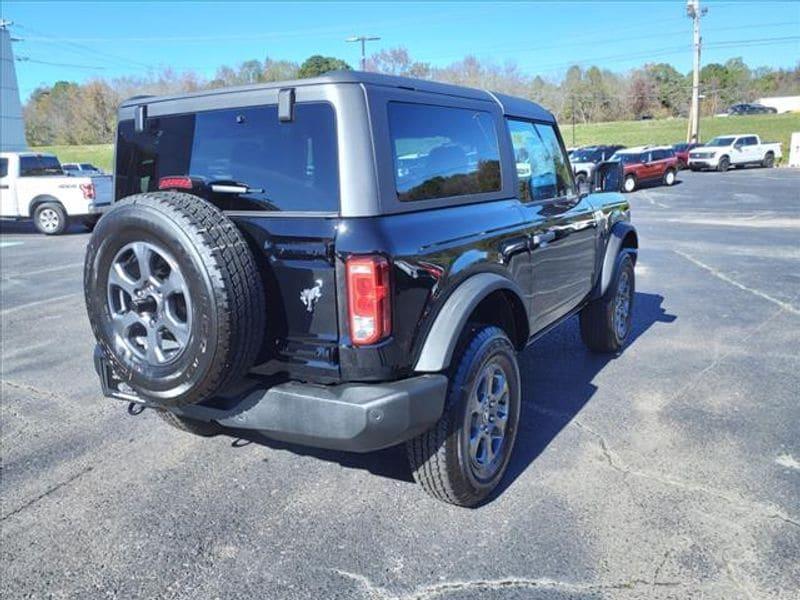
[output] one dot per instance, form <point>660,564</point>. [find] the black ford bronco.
<point>351,262</point>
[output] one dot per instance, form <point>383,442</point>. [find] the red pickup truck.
<point>647,164</point>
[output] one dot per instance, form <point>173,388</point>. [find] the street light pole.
<point>363,39</point>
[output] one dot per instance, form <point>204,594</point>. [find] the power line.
<point>57,64</point>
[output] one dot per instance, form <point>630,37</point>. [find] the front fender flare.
<point>619,233</point>
<point>440,343</point>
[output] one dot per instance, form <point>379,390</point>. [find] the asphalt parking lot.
<point>671,471</point>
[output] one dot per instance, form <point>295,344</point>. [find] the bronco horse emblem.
<point>310,296</point>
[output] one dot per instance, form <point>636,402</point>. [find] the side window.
<point>28,166</point>
<point>542,168</point>
<point>657,155</point>
<point>750,141</point>
<point>3,167</point>
<point>440,151</point>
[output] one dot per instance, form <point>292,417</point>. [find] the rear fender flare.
<point>42,199</point>
<point>440,343</point>
<point>620,232</point>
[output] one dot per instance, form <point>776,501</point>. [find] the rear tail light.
<point>368,299</point>
<point>171,183</point>
<point>88,191</point>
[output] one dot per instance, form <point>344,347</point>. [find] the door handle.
<point>542,239</point>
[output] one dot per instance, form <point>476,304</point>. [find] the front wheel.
<point>50,218</point>
<point>629,184</point>
<point>606,322</point>
<point>464,456</point>
<point>724,164</point>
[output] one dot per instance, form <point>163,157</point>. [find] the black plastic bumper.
<point>358,417</point>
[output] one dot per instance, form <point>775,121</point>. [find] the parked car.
<point>747,108</point>
<point>81,169</point>
<point>682,152</point>
<point>726,151</point>
<point>647,164</point>
<point>253,274</point>
<point>584,160</point>
<point>34,185</point>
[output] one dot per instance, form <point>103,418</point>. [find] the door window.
<point>3,167</point>
<point>542,167</point>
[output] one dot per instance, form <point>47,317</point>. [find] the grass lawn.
<point>771,128</point>
<point>100,155</point>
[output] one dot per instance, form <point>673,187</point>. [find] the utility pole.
<point>694,11</point>
<point>573,120</point>
<point>363,39</point>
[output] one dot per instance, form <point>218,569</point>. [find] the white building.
<point>12,127</point>
<point>782,103</point>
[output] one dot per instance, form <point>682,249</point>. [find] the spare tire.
<point>174,297</point>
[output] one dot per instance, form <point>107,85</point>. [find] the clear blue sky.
<point>118,38</point>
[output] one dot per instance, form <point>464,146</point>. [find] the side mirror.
<point>607,177</point>
<point>584,187</point>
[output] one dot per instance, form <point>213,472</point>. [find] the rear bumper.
<point>357,417</point>
<point>98,209</point>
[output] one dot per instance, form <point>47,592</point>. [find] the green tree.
<point>319,65</point>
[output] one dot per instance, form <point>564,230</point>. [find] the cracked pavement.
<point>671,471</point>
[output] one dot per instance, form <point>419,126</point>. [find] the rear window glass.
<point>37,166</point>
<point>441,152</point>
<point>290,166</point>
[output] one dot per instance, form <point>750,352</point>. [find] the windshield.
<point>628,158</point>
<point>586,156</point>
<point>721,141</point>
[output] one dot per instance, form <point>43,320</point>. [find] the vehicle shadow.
<point>556,384</point>
<point>27,228</point>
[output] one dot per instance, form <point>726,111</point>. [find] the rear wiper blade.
<point>238,188</point>
<point>226,187</point>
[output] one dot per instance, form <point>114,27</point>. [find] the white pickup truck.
<point>727,151</point>
<point>33,185</point>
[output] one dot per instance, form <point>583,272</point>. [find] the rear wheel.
<point>724,164</point>
<point>606,322</point>
<point>629,184</point>
<point>769,160</point>
<point>465,455</point>
<point>174,297</point>
<point>669,177</point>
<point>50,218</point>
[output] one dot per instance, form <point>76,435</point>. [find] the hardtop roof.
<point>510,105</point>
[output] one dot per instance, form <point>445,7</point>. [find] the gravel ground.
<point>671,471</point>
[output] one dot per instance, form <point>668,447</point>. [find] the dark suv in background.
<point>585,159</point>
<point>351,262</point>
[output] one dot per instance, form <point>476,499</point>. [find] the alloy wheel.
<point>149,303</point>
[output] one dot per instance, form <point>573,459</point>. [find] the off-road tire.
<point>48,208</point>
<point>769,160</point>
<point>597,319</point>
<point>438,457</point>
<point>193,426</point>
<point>724,164</point>
<point>222,280</point>
<point>633,185</point>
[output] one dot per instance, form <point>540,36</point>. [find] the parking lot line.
<point>13,309</point>
<point>10,244</point>
<point>42,271</point>
<point>784,305</point>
